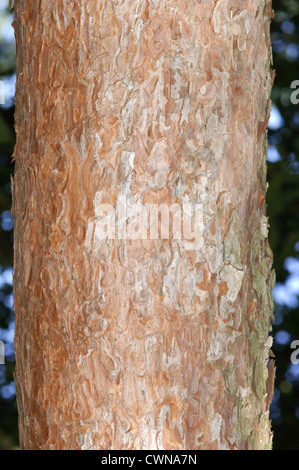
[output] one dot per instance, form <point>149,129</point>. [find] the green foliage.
<point>282,208</point>
<point>8,409</point>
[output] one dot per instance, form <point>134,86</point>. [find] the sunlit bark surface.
<point>142,344</point>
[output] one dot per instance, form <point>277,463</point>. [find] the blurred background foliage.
<point>282,207</point>
<point>283,212</point>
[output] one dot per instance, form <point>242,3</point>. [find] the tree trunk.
<point>142,342</point>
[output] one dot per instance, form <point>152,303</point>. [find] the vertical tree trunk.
<point>142,344</point>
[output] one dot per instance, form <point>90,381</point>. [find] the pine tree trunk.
<point>143,343</point>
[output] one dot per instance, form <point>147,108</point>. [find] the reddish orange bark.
<point>142,344</point>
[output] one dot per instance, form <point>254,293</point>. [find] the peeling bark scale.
<point>142,344</point>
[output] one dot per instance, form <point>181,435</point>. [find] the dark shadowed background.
<point>282,207</point>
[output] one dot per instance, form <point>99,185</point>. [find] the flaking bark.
<point>141,344</point>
